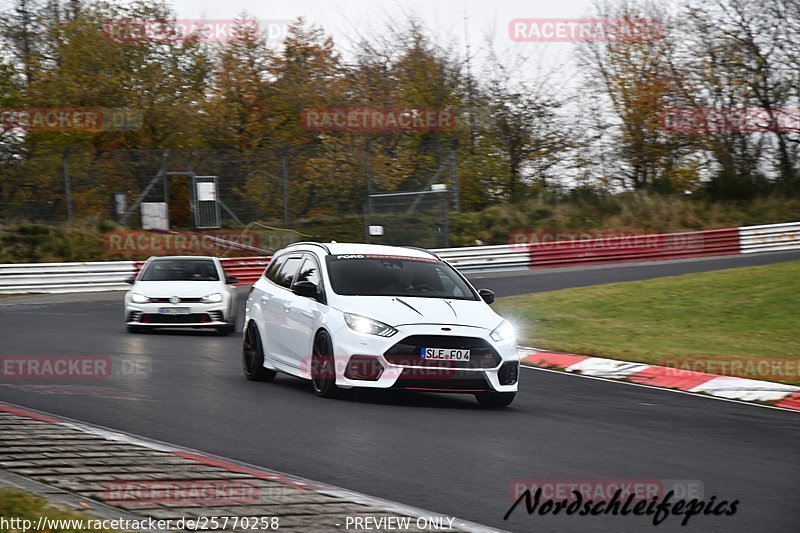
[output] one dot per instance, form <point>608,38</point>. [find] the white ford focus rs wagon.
<point>360,315</point>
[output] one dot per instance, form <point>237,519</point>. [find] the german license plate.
<point>173,310</point>
<point>444,354</point>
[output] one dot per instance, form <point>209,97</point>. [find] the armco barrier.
<point>101,276</point>
<point>247,269</point>
<point>770,238</point>
<point>65,277</point>
<point>104,276</point>
<point>635,248</point>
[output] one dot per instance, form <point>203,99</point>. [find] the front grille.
<point>135,316</point>
<point>216,316</point>
<point>436,379</point>
<point>180,300</point>
<point>192,318</point>
<point>407,352</point>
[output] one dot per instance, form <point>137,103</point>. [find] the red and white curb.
<point>367,504</point>
<point>731,388</point>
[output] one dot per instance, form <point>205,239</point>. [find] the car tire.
<point>253,356</point>
<point>323,369</point>
<point>495,399</point>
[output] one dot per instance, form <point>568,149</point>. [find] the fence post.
<point>67,185</point>
<point>454,176</point>
<point>368,203</point>
<point>285,178</point>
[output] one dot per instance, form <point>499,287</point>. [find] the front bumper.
<point>199,315</point>
<point>411,372</point>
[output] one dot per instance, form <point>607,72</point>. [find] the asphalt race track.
<point>436,452</point>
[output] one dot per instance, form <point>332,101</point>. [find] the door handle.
<point>264,299</point>
<point>287,307</point>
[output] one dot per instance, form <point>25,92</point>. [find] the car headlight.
<point>363,324</point>
<point>212,298</point>
<point>503,332</point>
<point>138,298</point>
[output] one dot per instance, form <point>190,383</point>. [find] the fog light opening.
<point>363,368</point>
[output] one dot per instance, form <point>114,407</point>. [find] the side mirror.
<point>305,288</point>
<point>131,280</point>
<point>487,295</point>
<point>231,280</point>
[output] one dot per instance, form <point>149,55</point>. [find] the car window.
<point>274,265</point>
<point>450,285</point>
<point>287,271</point>
<point>384,275</point>
<point>181,270</point>
<point>308,272</point>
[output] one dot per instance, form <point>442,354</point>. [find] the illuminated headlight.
<point>138,298</point>
<point>212,298</point>
<point>363,324</point>
<point>503,332</point>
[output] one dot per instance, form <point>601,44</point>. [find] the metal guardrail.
<point>65,277</point>
<point>100,276</point>
<point>486,257</point>
<point>769,238</point>
<point>105,276</point>
<point>604,250</point>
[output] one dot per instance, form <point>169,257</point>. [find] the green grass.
<point>25,506</point>
<point>741,314</point>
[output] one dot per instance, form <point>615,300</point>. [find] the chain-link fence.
<point>282,185</point>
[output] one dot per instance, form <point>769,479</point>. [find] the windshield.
<point>181,270</point>
<point>389,275</point>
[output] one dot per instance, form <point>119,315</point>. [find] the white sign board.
<point>376,231</point>
<point>206,191</point>
<point>154,215</point>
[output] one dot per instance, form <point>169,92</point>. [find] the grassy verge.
<point>696,321</point>
<point>25,506</point>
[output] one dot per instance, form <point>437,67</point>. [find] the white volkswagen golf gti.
<point>181,292</point>
<point>360,315</point>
